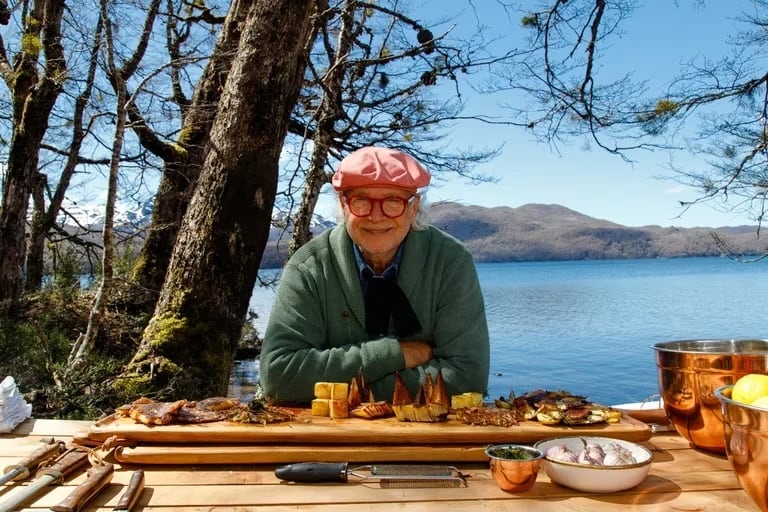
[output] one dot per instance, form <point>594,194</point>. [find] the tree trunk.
<point>331,109</point>
<point>44,220</point>
<point>188,347</point>
<point>33,98</point>
<point>36,245</point>
<point>182,168</point>
<point>82,349</point>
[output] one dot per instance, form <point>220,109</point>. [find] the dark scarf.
<point>384,300</point>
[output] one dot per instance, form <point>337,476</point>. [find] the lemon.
<point>750,387</point>
<point>761,402</point>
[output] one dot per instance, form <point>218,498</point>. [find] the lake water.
<point>587,326</point>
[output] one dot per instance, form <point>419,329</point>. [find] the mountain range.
<point>532,232</point>
<point>541,232</point>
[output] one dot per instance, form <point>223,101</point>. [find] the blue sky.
<point>593,182</point>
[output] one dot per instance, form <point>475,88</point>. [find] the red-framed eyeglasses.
<point>392,207</point>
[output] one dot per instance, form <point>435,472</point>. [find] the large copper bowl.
<point>746,443</point>
<point>689,372</point>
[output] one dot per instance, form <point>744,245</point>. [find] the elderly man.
<point>381,292</point>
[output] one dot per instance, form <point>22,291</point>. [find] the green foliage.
<point>31,44</point>
<point>35,351</point>
<point>85,394</point>
<point>655,121</point>
<point>36,345</point>
<point>65,271</point>
<point>169,332</point>
<point>530,21</point>
<point>250,341</point>
<point>181,150</point>
<point>24,357</point>
<point>665,107</point>
<point>125,261</point>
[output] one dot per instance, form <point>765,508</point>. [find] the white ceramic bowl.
<point>593,478</point>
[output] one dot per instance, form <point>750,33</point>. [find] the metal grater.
<point>410,475</point>
<point>387,475</point>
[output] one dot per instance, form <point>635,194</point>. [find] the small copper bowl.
<point>689,372</point>
<point>746,443</point>
<point>514,474</point>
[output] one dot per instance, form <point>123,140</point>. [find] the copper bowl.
<point>746,443</point>
<point>689,372</point>
<point>514,474</point>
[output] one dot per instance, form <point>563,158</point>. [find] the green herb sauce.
<point>514,453</point>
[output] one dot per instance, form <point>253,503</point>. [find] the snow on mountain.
<point>135,214</point>
<point>127,213</point>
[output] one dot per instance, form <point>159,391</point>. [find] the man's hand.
<point>416,353</point>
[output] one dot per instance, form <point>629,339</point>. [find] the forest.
<point>232,118</point>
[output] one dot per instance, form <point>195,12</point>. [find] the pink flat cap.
<point>380,167</point>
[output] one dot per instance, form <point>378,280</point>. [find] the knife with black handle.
<point>314,472</point>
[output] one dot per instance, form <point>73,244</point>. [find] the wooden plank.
<point>680,479</point>
<point>690,502</point>
<point>673,461</point>
<point>22,446</point>
<point>320,430</point>
<point>686,477</point>
<point>234,487</point>
<point>670,441</point>
<point>301,496</point>
<point>270,454</point>
<point>49,428</point>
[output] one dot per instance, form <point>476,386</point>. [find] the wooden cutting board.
<point>191,455</point>
<point>314,430</point>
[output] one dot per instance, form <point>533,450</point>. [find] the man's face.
<point>377,235</point>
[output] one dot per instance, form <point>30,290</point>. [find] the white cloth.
<point>13,408</point>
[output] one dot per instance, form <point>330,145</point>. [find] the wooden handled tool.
<point>65,464</point>
<point>22,469</point>
<point>132,492</point>
<point>98,477</point>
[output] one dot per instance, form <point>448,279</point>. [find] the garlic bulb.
<point>617,455</point>
<point>593,454</point>
<point>561,453</point>
<point>585,458</point>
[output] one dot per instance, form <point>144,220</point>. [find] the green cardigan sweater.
<point>316,330</point>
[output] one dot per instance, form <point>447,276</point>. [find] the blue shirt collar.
<point>393,267</point>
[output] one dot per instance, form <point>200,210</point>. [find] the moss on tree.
<point>168,366</point>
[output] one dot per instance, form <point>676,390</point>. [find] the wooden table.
<point>681,479</point>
